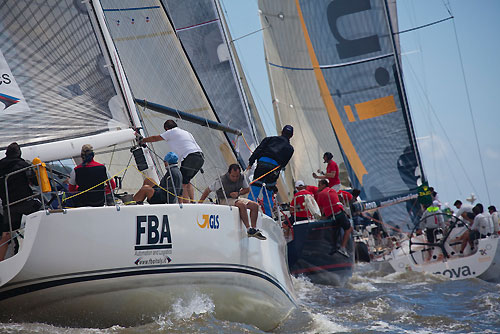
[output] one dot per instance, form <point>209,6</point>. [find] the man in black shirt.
<point>272,154</point>
<point>18,189</point>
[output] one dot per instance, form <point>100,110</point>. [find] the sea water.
<point>371,302</point>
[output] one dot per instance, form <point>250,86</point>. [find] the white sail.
<point>54,75</point>
<point>159,71</point>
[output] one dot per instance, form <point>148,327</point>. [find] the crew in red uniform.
<point>298,209</point>
<point>332,172</point>
<point>87,175</point>
<point>332,209</point>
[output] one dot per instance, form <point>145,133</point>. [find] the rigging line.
<point>423,26</point>
<point>254,91</point>
<point>470,111</point>
<point>251,33</point>
<point>444,131</point>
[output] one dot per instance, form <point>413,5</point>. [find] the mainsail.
<point>335,74</point>
<point>55,84</point>
<point>159,71</point>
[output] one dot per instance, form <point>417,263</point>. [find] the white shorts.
<point>232,201</point>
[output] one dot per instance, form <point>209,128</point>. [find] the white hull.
<point>483,264</point>
<point>103,266</point>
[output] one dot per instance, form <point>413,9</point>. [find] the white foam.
<point>363,286</point>
<point>195,305</point>
<point>322,324</point>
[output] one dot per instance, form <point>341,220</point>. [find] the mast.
<point>118,76</point>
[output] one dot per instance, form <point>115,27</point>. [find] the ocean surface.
<point>372,302</point>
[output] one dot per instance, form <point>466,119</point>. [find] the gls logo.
<point>209,221</point>
<point>156,236</point>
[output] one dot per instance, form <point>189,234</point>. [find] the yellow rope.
<point>242,136</point>
<point>260,177</point>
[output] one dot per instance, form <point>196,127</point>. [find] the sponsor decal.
<point>152,261</point>
<point>152,233</point>
<point>8,100</point>
<point>459,272</point>
<point>209,221</point>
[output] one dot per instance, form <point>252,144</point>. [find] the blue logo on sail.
<point>8,100</point>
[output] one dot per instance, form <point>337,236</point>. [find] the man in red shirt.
<point>298,209</point>
<point>331,208</point>
<point>332,172</point>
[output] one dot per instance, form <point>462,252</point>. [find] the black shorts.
<point>16,212</point>
<point>429,232</point>
<point>474,235</point>
<point>341,220</point>
<point>191,165</point>
<point>159,196</point>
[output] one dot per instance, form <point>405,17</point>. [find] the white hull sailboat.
<point>127,264</point>
<point>443,257</point>
<point>120,264</point>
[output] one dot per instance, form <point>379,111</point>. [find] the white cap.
<point>299,183</point>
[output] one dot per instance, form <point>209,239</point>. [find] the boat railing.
<point>9,204</point>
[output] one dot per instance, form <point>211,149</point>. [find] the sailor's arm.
<point>204,195</point>
<point>152,139</point>
<point>244,191</point>
<point>319,177</point>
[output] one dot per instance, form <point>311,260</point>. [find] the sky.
<point>451,72</point>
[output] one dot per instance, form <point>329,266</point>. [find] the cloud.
<point>434,146</point>
<point>492,154</point>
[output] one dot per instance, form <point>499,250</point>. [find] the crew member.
<point>18,189</point>
<point>170,185</point>
<point>464,211</point>
<point>272,154</point>
<point>332,172</point>
<point>332,209</point>
<point>298,209</point>
<point>188,151</point>
<point>90,179</point>
<point>228,188</point>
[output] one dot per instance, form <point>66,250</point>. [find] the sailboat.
<point>73,80</point>
<point>335,75</point>
<point>443,258</point>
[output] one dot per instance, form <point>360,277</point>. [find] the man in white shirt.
<point>190,155</point>
<point>495,218</point>
<point>464,211</point>
<point>481,228</point>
